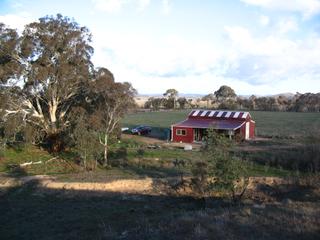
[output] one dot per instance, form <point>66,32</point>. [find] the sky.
<point>257,47</point>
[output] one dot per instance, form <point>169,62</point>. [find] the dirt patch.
<point>143,139</point>
<point>124,186</point>
<point>260,189</point>
<point>47,182</point>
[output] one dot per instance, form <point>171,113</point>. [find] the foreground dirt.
<point>121,186</point>
<point>45,207</point>
<point>136,186</point>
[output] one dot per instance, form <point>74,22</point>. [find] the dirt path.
<point>48,182</point>
<point>141,186</point>
<point>144,139</point>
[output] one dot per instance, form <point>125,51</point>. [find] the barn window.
<point>181,132</point>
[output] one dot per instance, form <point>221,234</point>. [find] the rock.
<point>188,147</point>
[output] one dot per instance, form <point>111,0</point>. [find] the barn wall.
<point>243,131</point>
<point>252,129</point>
<point>188,138</point>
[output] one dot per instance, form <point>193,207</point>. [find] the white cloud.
<point>264,20</point>
<point>154,64</point>
<point>168,55</point>
<point>115,6</point>
<point>249,64</point>
<point>110,6</point>
<point>307,8</point>
<point>143,4</point>
<point>273,61</point>
<point>287,25</point>
<point>16,21</point>
<point>166,6</point>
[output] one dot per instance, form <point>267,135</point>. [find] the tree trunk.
<point>53,106</point>
<point>105,144</point>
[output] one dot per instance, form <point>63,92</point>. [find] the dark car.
<point>141,130</point>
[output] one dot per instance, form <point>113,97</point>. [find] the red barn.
<point>232,123</point>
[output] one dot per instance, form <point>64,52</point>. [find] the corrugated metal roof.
<point>199,113</point>
<point>207,123</point>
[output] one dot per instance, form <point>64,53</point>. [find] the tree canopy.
<point>225,92</point>
<point>50,62</point>
<point>46,71</point>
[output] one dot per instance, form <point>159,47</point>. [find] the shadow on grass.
<point>35,212</point>
<point>14,170</point>
<point>16,146</point>
<point>153,171</point>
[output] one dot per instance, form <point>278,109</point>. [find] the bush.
<point>220,172</point>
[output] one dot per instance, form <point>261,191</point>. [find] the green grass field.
<point>273,124</point>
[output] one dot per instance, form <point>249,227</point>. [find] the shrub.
<point>220,171</point>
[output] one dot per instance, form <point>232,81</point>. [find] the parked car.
<point>141,130</point>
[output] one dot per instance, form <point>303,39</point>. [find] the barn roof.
<point>207,123</point>
<point>218,114</point>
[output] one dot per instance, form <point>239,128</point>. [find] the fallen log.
<point>39,162</point>
<point>29,163</point>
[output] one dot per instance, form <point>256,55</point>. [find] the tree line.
<point>52,95</point>
<point>226,98</point>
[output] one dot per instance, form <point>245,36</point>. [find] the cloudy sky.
<point>255,46</point>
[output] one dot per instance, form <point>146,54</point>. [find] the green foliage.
<point>86,143</point>
<point>220,171</point>
<point>51,63</point>
<point>182,102</point>
<point>171,95</point>
<point>225,92</point>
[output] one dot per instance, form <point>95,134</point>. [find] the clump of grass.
<point>16,154</point>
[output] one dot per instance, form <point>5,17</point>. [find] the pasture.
<point>268,124</point>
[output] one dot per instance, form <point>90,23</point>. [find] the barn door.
<point>247,130</point>
<point>197,136</point>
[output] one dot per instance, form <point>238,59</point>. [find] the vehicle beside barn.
<point>235,124</point>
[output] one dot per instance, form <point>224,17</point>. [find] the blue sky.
<point>255,46</point>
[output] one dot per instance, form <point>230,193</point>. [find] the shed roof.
<point>207,123</point>
<point>218,114</point>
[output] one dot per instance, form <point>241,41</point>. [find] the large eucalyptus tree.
<point>49,63</point>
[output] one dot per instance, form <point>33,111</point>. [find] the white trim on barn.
<point>239,126</point>
<point>220,113</point>
<point>236,115</point>
<point>212,113</point>
<point>245,114</point>
<point>203,113</point>
<point>228,114</point>
<point>196,113</point>
<point>247,131</point>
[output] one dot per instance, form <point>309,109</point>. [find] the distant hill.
<point>287,95</point>
<point>197,95</point>
<point>186,95</point>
